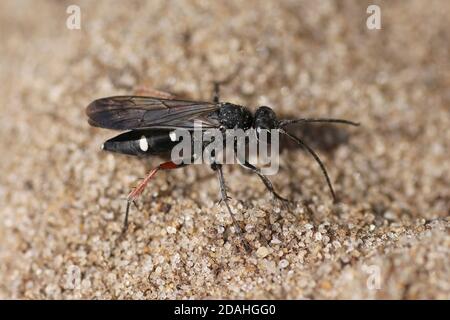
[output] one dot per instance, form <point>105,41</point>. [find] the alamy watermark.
<point>73,21</point>
<point>373,22</point>
<point>219,146</point>
<point>72,278</point>
<point>374,276</point>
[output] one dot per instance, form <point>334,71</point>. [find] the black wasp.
<point>150,121</point>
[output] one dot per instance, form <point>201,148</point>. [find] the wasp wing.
<point>134,112</point>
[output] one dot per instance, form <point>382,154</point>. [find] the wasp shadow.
<point>325,137</point>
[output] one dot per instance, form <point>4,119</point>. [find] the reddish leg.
<point>144,90</point>
<point>133,195</point>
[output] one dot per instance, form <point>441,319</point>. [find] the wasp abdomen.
<point>141,142</point>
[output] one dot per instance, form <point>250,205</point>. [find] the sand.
<point>62,197</point>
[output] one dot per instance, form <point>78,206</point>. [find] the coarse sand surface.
<point>62,198</point>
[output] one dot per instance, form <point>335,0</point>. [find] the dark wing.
<point>134,112</point>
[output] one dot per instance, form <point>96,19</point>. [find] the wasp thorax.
<point>235,117</point>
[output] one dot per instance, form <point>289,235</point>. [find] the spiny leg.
<point>217,84</point>
<point>265,180</point>
<point>136,192</point>
<point>216,92</point>
<point>225,198</point>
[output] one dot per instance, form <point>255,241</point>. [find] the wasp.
<point>149,121</point>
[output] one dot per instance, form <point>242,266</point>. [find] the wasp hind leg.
<point>136,192</point>
<point>145,90</point>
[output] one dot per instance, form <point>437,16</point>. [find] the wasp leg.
<point>144,90</point>
<point>216,92</point>
<point>136,192</point>
<point>266,181</point>
<point>225,198</point>
<point>217,84</point>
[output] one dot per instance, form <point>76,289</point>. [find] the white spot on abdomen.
<point>173,136</point>
<point>143,144</point>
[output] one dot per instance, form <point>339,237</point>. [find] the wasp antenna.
<point>284,123</point>
<point>316,157</point>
